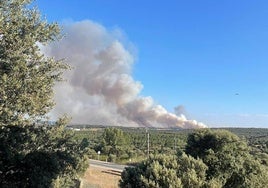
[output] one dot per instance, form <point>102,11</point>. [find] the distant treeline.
<point>130,144</point>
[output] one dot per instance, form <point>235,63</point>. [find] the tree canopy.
<point>228,158</point>
<point>42,156</point>
<point>211,159</point>
<point>115,144</point>
<point>27,77</point>
<point>33,153</point>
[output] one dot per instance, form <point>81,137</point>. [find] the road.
<point>107,165</point>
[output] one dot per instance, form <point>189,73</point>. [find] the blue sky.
<point>209,56</point>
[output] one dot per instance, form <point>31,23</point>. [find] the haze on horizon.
<point>191,61</point>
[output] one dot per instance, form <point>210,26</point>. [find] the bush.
<point>214,159</point>
<point>112,158</point>
<point>40,156</point>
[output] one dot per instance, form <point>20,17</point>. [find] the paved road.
<point>108,165</point>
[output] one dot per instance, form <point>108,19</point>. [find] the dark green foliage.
<point>228,158</point>
<point>32,153</point>
<point>257,138</point>
<point>215,159</point>
<point>158,171</point>
<point>114,137</point>
<point>33,156</point>
<point>131,143</point>
<point>115,144</point>
<point>221,150</point>
<point>27,77</point>
<point>167,172</point>
<point>161,141</point>
<point>130,177</point>
<point>164,141</point>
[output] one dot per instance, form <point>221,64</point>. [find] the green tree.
<point>228,158</point>
<point>167,171</point>
<point>32,152</point>
<point>213,159</point>
<point>115,143</point>
<point>41,156</point>
<point>114,137</point>
<point>157,171</point>
<point>27,77</point>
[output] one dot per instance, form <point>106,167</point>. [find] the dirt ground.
<point>96,177</point>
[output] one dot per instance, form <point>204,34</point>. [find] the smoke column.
<point>100,89</point>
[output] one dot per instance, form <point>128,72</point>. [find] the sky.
<point>208,59</point>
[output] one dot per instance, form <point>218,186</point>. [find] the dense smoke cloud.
<point>180,110</point>
<point>100,89</point>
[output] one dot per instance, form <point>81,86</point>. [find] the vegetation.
<point>41,156</point>
<point>228,159</point>
<point>162,141</point>
<point>26,76</point>
<point>211,159</point>
<point>35,153</point>
<point>131,143</point>
<point>114,144</point>
<point>165,171</point>
<point>186,158</point>
<point>32,152</point>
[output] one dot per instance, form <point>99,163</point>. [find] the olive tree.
<point>115,143</point>
<point>166,171</point>
<point>44,156</point>
<point>27,77</point>
<point>213,159</point>
<point>228,158</point>
<point>32,152</point>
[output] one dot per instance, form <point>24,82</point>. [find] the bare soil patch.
<point>96,177</point>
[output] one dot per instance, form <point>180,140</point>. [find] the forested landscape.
<point>183,158</point>
<point>161,141</point>
<point>38,152</point>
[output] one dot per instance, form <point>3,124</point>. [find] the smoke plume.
<point>100,89</point>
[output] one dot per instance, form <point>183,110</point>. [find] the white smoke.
<point>100,89</point>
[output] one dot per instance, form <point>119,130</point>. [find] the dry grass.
<point>96,177</point>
